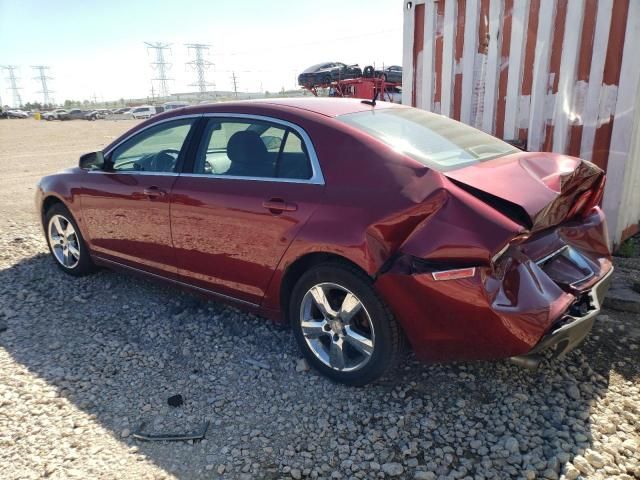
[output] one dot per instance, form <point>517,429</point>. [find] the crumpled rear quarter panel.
<point>497,313</point>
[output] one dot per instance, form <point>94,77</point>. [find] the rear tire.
<point>351,335</point>
<point>65,241</point>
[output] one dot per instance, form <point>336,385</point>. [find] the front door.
<point>252,188</point>
<point>126,206</point>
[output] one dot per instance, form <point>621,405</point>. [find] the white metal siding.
<point>571,84</point>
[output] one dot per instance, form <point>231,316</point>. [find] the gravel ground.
<point>84,361</point>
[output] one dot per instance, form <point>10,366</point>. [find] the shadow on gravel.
<point>118,347</point>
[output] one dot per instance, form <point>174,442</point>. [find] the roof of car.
<point>330,107</point>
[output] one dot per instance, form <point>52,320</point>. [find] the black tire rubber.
<point>389,346</point>
<point>368,71</point>
<point>85,266</point>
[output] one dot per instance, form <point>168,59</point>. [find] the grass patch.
<point>629,249</point>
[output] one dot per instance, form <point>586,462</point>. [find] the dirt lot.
<point>84,361</point>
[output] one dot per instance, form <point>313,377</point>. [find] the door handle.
<point>277,206</point>
<point>154,192</point>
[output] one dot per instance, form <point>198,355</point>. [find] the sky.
<point>96,48</point>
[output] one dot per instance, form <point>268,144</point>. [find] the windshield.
<point>433,140</point>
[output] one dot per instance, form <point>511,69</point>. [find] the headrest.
<point>246,147</point>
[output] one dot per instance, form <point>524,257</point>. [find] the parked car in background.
<point>121,110</point>
<point>97,114</point>
<point>145,111</point>
<point>390,74</point>
<point>325,73</point>
<point>57,114</point>
<point>17,113</point>
<point>76,114</point>
<point>317,213</point>
<point>174,105</point>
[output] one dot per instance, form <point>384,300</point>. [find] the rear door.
<point>126,208</point>
<point>254,183</point>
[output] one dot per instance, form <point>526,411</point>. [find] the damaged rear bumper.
<point>541,293</point>
<point>571,329</point>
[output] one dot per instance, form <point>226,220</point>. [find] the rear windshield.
<point>433,140</point>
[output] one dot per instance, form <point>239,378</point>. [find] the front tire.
<point>66,244</point>
<point>343,328</point>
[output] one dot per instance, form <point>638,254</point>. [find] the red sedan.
<point>365,226</point>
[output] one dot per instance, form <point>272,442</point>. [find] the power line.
<point>13,80</point>
<point>161,66</point>
<point>42,76</point>
<point>200,65</point>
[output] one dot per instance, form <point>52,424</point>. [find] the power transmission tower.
<point>42,76</point>
<point>13,80</point>
<point>161,66</point>
<point>234,79</point>
<point>200,65</point>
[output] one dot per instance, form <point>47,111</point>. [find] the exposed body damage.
<point>524,282</point>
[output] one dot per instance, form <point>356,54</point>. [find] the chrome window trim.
<point>317,178</point>
<point>307,181</point>
<point>135,172</point>
<point>151,125</point>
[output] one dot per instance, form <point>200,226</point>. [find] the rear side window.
<point>252,149</point>
<point>433,140</point>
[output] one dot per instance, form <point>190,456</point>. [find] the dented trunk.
<point>475,212</point>
<point>540,190</point>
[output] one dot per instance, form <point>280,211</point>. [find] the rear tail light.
<point>456,274</point>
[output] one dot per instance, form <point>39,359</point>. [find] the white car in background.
<point>175,105</point>
<point>57,114</point>
<point>144,111</point>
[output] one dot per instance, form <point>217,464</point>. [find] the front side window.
<point>252,148</point>
<point>433,140</point>
<point>153,150</point>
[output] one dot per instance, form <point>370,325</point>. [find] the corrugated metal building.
<point>559,75</point>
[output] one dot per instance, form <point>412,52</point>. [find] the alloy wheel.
<point>337,327</point>
<point>64,243</point>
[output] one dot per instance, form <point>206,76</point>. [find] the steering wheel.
<point>165,160</point>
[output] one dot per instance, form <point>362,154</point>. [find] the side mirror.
<point>92,161</point>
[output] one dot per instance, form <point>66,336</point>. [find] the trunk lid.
<point>537,190</point>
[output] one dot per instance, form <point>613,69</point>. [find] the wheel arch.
<point>301,265</point>
<point>48,202</point>
<point>52,198</point>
